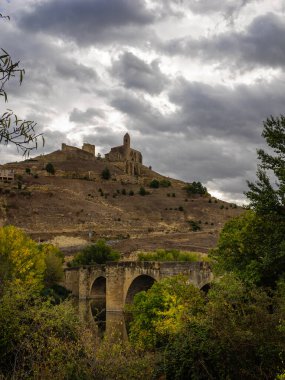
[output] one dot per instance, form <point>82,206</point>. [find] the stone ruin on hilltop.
<point>123,153</point>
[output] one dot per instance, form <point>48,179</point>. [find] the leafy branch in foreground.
<point>13,130</point>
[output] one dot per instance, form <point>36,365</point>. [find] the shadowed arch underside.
<point>98,289</point>
<point>140,283</point>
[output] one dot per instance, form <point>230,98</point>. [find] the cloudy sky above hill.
<point>191,80</point>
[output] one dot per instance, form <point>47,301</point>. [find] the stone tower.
<point>127,141</point>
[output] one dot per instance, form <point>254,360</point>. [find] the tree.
<point>253,247</point>
<point>196,188</point>
<point>98,253</point>
<point>39,340</point>
<point>158,314</point>
<point>154,184</point>
<point>235,334</point>
<point>264,197</point>
<point>14,130</point>
<point>50,168</point>
<point>106,174</point>
<point>21,260</point>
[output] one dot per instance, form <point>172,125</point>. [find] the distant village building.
<point>7,175</point>
<point>132,157</point>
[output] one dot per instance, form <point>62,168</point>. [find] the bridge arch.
<point>98,288</point>
<point>139,283</point>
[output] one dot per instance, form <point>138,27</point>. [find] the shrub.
<point>164,183</point>
<point>170,255</point>
<point>196,188</point>
<point>154,184</point>
<point>98,253</point>
<point>124,192</point>
<point>194,225</point>
<point>180,208</point>
<point>28,170</point>
<point>143,191</point>
<point>131,193</point>
<point>106,174</point>
<point>50,168</point>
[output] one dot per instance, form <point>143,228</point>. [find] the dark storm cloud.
<point>223,111</point>
<point>85,117</point>
<point>141,114</point>
<point>71,70</point>
<point>262,44</point>
<point>207,110</point>
<point>88,21</point>
<point>137,74</point>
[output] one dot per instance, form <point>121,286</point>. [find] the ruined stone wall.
<point>89,148</point>
<point>71,152</point>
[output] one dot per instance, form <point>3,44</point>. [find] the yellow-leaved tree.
<point>24,262</point>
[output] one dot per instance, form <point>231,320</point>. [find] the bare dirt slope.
<point>76,202</point>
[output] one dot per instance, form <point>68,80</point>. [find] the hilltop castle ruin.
<point>122,154</point>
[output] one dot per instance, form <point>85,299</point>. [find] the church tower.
<point>127,141</point>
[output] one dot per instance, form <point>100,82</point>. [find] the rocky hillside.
<point>77,202</point>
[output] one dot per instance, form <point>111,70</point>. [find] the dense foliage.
<point>253,246</point>
<point>265,197</point>
<point>50,168</point>
<point>39,340</point>
<point>106,174</point>
<point>196,188</point>
<point>23,261</point>
<point>171,255</point>
<point>231,333</point>
<point>98,253</point>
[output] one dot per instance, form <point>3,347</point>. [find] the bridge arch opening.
<point>98,288</point>
<point>140,283</point>
<point>205,288</point>
<point>98,303</point>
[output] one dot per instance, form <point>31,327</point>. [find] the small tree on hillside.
<point>196,188</point>
<point>106,174</point>
<point>50,168</point>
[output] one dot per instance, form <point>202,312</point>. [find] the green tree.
<point>264,197</point>
<point>158,314</point>
<point>154,184</point>
<point>39,340</point>
<point>98,253</point>
<point>50,168</point>
<point>106,174</point>
<point>252,246</point>
<point>235,335</point>
<point>13,129</point>
<point>196,188</point>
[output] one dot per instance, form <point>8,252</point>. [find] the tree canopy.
<point>266,197</point>
<point>98,253</point>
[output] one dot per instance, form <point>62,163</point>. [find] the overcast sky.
<point>190,80</point>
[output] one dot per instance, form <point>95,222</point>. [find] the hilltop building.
<point>86,153</point>
<point>124,153</point>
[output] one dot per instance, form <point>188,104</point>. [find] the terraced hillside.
<point>77,202</point>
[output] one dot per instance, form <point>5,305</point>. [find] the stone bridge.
<point>118,282</point>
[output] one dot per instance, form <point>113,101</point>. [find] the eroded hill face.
<point>77,202</point>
